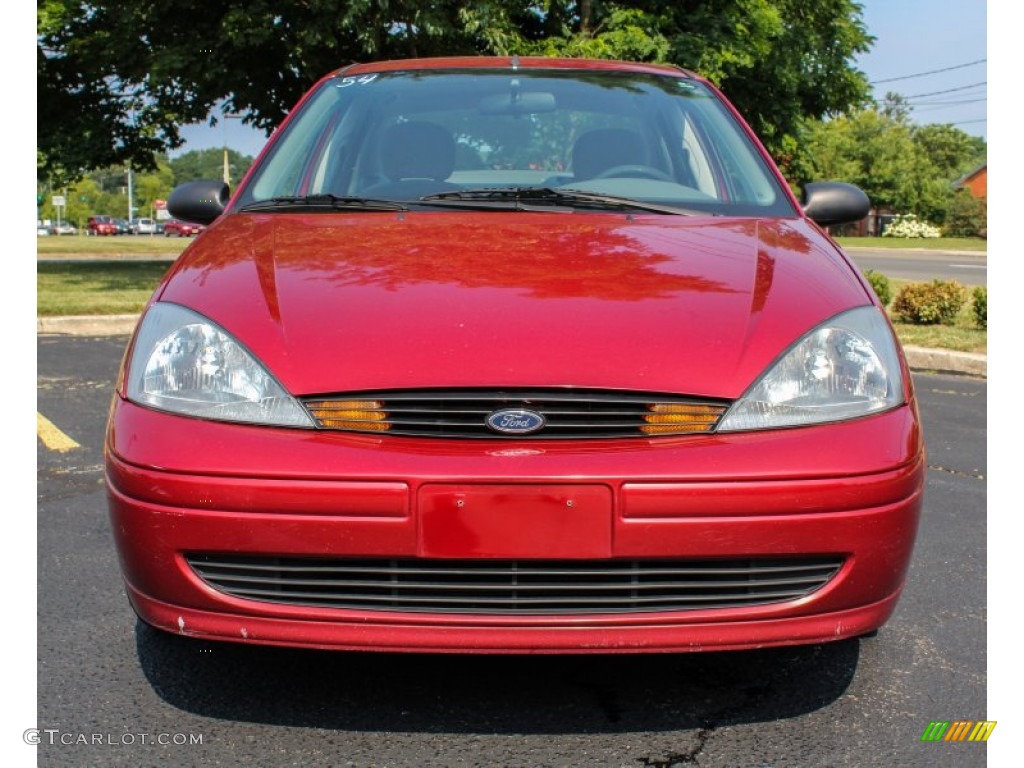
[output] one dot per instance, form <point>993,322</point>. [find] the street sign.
<point>59,201</point>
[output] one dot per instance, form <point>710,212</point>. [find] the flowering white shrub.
<point>909,226</point>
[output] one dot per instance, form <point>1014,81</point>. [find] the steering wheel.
<point>633,171</point>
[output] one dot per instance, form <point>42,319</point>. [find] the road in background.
<point>967,268</point>
<point>848,704</point>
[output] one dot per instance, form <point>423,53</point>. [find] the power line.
<point>924,106</point>
<point>948,90</point>
<point>965,122</point>
<point>909,99</point>
<point>930,72</point>
<point>958,101</point>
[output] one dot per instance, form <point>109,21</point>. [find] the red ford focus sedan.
<point>514,355</point>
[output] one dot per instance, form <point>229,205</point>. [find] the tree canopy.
<point>902,167</point>
<point>116,80</point>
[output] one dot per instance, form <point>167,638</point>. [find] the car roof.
<point>516,62</point>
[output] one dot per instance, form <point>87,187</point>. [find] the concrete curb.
<point>918,358</point>
<point>946,361</point>
<point>87,325</point>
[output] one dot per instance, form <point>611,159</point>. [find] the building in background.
<point>975,182</point>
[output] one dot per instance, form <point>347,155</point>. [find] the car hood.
<point>347,302</point>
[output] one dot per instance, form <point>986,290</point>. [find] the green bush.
<point>980,306</point>
<point>880,285</point>
<point>929,303</point>
<point>967,216</point>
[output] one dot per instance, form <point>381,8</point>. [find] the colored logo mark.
<point>958,730</point>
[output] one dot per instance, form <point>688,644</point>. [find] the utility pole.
<point>131,202</point>
<point>131,198</point>
<point>224,134</point>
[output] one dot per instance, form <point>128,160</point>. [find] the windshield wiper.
<point>522,198</point>
<point>323,202</point>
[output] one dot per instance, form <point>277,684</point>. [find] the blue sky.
<point>912,36</point>
<point>915,36</point>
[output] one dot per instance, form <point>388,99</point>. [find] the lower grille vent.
<point>515,587</point>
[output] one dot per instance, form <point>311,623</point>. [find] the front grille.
<point>515,587</point>
<point>566,413</point>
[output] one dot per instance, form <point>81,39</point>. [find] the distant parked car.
<point>42,230</point>
<point>143,226</point>
<point>101,225</point>
<point>181,228</point>
<point>65,228</point>
<point>123,228</point>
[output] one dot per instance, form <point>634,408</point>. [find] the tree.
<point>967,215</point>
<point>902,167</point>
<point>153,186</point>
<point>896,107</point>
<point>868,149</point>
<point>115,80</point>
<point>781,62</point>
<point>951,151</point>
<point>208,164</point>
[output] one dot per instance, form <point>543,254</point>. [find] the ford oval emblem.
<point>514,421</point>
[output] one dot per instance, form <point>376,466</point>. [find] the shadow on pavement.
<point>492,694</point>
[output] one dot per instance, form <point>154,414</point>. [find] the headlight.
<point>847,367</point>
<point>184,363</point>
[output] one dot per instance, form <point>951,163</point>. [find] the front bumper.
<point>180,486</point>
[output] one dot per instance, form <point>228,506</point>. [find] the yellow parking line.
<point>52,437</point>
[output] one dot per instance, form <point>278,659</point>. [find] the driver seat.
<point>597,151</point>
<point>416,159</point>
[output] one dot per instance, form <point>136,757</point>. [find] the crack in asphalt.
<point>57,471</point>
<point>70,384</point>
<point>62,483</point>
<point>953,392</point>
<point>680,758</point>
<point>957,472</point>
<point>752,697</point>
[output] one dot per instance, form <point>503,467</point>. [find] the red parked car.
<point>181,228</point>
<point>515,355</point>
<point>101,225</point>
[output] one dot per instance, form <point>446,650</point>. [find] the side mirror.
<point>199,201</point>
<point>835,202</point>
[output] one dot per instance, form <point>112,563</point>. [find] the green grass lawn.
<point>961,337</point>
<point>110,247</point>
<point>90,288</point>
<point>929,244</point>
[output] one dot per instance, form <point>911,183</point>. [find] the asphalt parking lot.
<point>162,699</point>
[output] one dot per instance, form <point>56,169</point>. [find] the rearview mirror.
<point>516,103</point>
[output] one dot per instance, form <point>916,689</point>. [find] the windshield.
<point>405,136</point>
